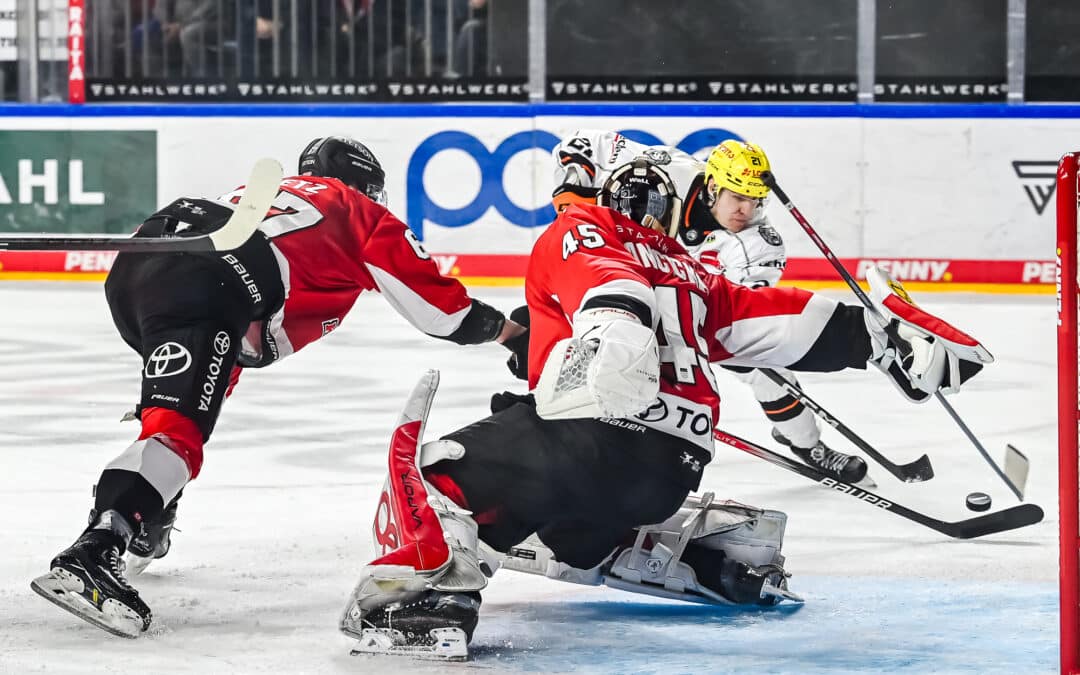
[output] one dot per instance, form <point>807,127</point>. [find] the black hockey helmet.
<point>349,161</point>
<point>640,189</point>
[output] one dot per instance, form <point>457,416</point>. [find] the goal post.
<point>1068,203</point>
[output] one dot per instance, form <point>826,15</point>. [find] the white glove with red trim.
<point>931,354</point>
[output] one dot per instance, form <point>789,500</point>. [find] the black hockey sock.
<point>129,494</point>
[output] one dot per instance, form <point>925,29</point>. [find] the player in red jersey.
<point>623,325</point>
<point>198,320</point>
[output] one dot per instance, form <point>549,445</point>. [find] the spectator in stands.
<point>190,30</point>
<point>471,47</point>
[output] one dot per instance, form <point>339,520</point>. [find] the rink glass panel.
<point>336,51</point>
<point>928,50</point>
<point>714,50</point>
<point>708,49</point>
<point>1052,50</point>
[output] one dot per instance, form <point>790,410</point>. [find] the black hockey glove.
<point>518,363</point>
<point>483,323</point>
<point>508,399</point>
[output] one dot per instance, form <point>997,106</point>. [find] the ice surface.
<point>274,531</point>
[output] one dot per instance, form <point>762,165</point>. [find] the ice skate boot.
<point>741,582</point>
<point>87,579</point>
<point>427,624</point>
<point>848,469</point>
<point>421,597</point>
<point>153,541</point>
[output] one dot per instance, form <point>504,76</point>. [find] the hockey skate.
<point>421,598</point>
<point>153,541</point>
<point>848,469</point>
<point>87,579</point>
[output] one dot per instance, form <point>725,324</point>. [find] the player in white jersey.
<point>586,159</point>
<point>721,220</point>
<point>748,251</point>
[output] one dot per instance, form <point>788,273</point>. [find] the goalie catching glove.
<point>609,368</point>
<point>930,355</point>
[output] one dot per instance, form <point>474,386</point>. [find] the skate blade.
<point>867,483</point>
<point>64,589</point>
<point>781,594</point>
<point>447,644</point>
<point>135,565</point>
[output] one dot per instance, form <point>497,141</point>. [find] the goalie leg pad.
<point>708,552</point>
<point>428,568</point>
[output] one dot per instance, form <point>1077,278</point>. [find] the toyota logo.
<point>222,343</point>
<point>654,413</point>
<point>168,359</point>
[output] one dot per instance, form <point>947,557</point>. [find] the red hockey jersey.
<point>592,251</point>
<point>332,244</point>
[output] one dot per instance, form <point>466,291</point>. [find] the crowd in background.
<point>921,43</point>
<point>287,38</point>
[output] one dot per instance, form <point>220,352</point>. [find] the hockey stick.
<point>259,193</point>
<point>770,180</point>
<point>914,472</point>
<point>1011,518</point>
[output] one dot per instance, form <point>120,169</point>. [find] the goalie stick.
<point>1011,518</point>
<point>770,180</point>
<point>259,193</point>
<point>913,472</point>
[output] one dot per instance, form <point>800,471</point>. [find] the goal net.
<point>1068,203</point>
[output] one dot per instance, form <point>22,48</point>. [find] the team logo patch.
<point>167,359</point>
<point>771,236</point>
<point>658,156</point>
<point>329,325</point>
<point>222,342</point>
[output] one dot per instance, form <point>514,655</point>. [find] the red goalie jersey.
<point>332,244</point>
<point>591,253</point>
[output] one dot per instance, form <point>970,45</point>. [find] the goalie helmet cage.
<point>1068,203</point>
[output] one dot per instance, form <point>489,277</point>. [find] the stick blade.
<point>259,192</point>
<point>1016,468</point>
<point>918,471</point>
<point>1011,518</point>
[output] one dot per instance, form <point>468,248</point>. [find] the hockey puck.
<point>978,501</point>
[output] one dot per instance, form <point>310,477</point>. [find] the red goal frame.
<point>1068,203</point>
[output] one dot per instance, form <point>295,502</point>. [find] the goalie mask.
<point>349,161</point>
<point>644,193</point>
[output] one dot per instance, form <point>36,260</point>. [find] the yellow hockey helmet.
<point>737,166</point>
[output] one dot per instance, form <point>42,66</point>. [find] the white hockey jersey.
<point>585,160</point>
<point>754,257</point>
<point>587,157</point>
